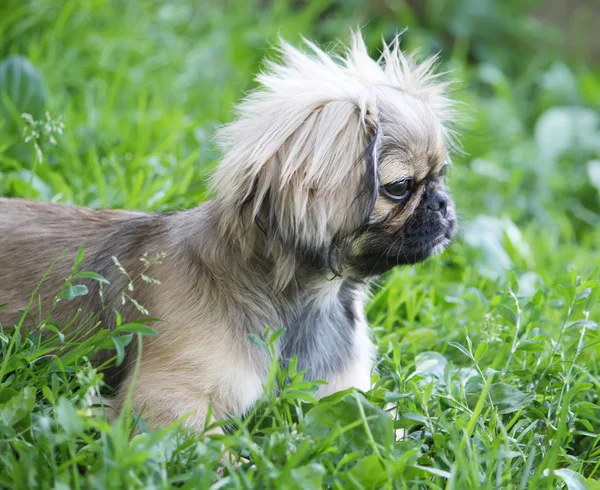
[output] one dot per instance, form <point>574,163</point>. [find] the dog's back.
<point>39,239</point>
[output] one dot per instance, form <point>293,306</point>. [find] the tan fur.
<point>36,237</point>
<point>291,192</point>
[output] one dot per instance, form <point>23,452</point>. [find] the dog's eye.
<point>443,170</point>
<point>398,191</point>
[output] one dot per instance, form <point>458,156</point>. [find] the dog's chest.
<point>321,333</point>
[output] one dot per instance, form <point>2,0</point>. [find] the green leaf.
<point>538,298</point>
<point>461,348</point>
<point>508,314</point>
<point>6,394</point>
<point>530,346</point>
<point>258,341</point>
<point>369,472</point>
<point>138,328</point>
<point>90,275</point>
<point>434,471</point>
<point>430,364</point>
<point>508,399</point>
<point>120,343</point>
<point>480,404</point>
<point>349,458</point>
<point>73,292</point>
<point>18,407</point>
<point>79,258</point>
<point>583,294</point>
<point>47,392</point>
<point>305,477</point>
<point>421,338</point>
<point>565,293</point>
<point>54,328</point>
<point>572,479</point>
<point>588,284</point>
<point>67,417</point>
<point>481,350</point>
<point>413,417</point>
<point>589,324</point>
<point>360,421</point>
<point>21,88</point>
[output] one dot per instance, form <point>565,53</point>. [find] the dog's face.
<point>413,216</point>
<point>340,161</point>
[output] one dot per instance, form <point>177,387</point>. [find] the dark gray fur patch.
<point>322,336</point>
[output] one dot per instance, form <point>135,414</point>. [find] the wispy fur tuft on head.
<point>300,158</point>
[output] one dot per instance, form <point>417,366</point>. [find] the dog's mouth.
<point>405,251</point>
<point>439,245</point>
<point>423,251</point>
<point>425,248</point>
<point>442,241</point>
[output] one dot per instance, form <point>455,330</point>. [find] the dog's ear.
<point>299,159</point>
<point>308,183</point>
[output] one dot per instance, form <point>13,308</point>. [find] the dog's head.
<point>342,158</point>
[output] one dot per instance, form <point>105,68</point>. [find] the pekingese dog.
<point>332,174</point>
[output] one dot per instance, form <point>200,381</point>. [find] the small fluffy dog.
<point>333,173</point>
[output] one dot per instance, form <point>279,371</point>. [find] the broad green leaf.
<point>48,394</point>
<point>583,294</point>
<point>358,418</point>
<point>6,394</point>
<point>305,477</point>
<point>18,407</point>
<point>508,399</point>
<point>481,350</point>
<point>120,343</point>
<point>369,472</point>
<point>430,364</point>
<point>572,479</point>
<point>530,346</point>
<point>67,417</point>
<point>21,88</point>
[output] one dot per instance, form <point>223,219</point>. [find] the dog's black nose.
<point>438,201</point>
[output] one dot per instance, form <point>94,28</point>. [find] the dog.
<point>332,174</point>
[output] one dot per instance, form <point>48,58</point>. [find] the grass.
<point>487,375</point>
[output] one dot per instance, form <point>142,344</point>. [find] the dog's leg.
<point>184,378</point>
<point>159,403</point>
